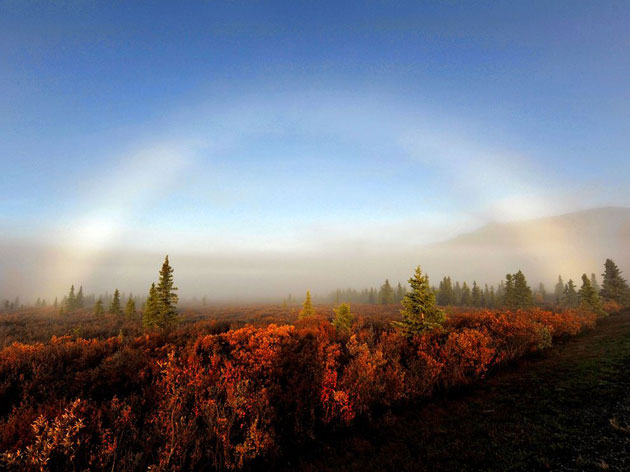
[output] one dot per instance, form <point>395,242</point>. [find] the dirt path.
<point>549,413</point>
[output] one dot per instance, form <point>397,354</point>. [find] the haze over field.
<point>576,243</point>
<point>281,147</point>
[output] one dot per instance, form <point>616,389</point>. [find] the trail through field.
<point>566,410</point>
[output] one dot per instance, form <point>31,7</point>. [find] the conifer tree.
<point>98,308</point>
<point>492,302</point>
<point>115,307</point>
<point>419,310</point>
<point>400,293</point>
<point>307,308</point>
<point>509,298</point>
<point>475,294</point>
<point>130,308</point>
<point>594,283</point>
<point>486,296</point>
<point>386,295</point>
<point>499,296</point>
<point>166,297</point>
<point>446,295</point>
<point>588,297</point>
<point>559,290</point>
<point>466,299</point>
<point>457,294</point>
<point>570,298</point>
<point>79,301</point>
<point>522,292</point>
<point>150,315</point>
<point>343,318</point>
<point>55,303</point>
<point>614,286</point>
<point>71,301</point>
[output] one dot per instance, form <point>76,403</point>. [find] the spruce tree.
<point>79,301</point>
<point>307,308</point>
<point>588,297</point>
<point>98,308</point>
<point>386,294</point>
<point>475,295</point>
<point>130,308</point>
<point>115,307</point>
<point>570,298</point>
<point>466,299</point>
<point>343,318</point>
<point>446,295</point>
<point>150,315</point>
<point>457,294</point>
<point>166,297</point>
<point>492,300</point>
<point>419,310</point>
<point>509,298</point>
<point>614,286</point>
<point>559,290</point>
<point>400,293</point>
<point>522,292</point>
<point>594,283</point>
<point>71,301</point>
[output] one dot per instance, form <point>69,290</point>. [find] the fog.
<point>569,245</point>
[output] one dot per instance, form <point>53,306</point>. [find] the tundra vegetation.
<point>197,389</point>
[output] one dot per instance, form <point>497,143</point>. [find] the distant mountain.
<point>568,244</point>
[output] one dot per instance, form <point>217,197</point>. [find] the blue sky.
<point>267,125</point>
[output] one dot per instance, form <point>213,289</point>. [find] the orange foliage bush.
<point>231,399</point>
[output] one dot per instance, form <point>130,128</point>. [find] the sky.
<point>240,130</point>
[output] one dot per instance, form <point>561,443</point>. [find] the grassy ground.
<point>566,410</point>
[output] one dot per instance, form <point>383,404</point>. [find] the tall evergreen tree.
<point>307,308</point>
<point>522,291</point>
<point>343,318</point>
<point>559,290</point>
<point>475,295</point>
<point>588,297</point>
<point>400,293</point>
<point>79,301</point>
<point>386,294</point>
<point>419,310</point>
<point>594,283</point>
<point>446,295</point>
<point>457,294</point>
<point>166,297</point>
<point>570,298</point>
<point>509,299</point>
<point>466,299</point>
<point>71,301</point>
<point>98,308</point>
<point>492,301</point>
<point>614,286</point>
<point>151,313</point>
<point>130,308</point>
<point>115,307</point>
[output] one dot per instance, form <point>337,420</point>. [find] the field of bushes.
<point>218,395</point>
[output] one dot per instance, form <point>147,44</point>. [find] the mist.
<point>543,248</point>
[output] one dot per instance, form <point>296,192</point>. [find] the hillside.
<point>569,244</point>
